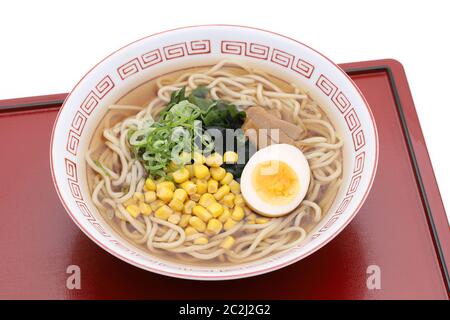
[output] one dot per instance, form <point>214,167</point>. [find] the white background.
<point>47,46</point>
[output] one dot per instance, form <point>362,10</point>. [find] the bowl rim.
<point>236,275</point>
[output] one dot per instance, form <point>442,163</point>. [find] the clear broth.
<point>142,96</point>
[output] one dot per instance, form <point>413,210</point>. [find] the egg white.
<point>288,154</point>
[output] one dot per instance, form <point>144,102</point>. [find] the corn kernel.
<point>176,205</point>
<point>195,197</point>
<point>230,157</point>
<point>223,190</point>
<point>228,200</point>
<point>174,218</point>
<point>181,175</point>
<point>156,204</point>
<point>214,227</point>
<point>190,169</point>
<point>145,208</point>
<point>206,200</point>
<point>163,212</point>
<point>214,160</point>
<point>133,210</point>
<point>201,171</point>
<point>180,194</point>
<point>150,185</point>
<point>166,184</point>
<point>227,179</point>
<point>225,215</point>
<point>202,186</point>
<point>184,220</point>
<point>261,220</point>
<point>197,223</point>
<point>227,243</point>
<point>251,217</point>
<point>235,187</point>
<point>238,213</point>
<point>199,158</point>
<point>230,223</point>
<point>201,240</point>
<point>129,202</point>
<point>172,166</point>
<point>188,206</point>
<point>212,186</point>
<point>215,209</point>
<point>239,200</point>
<point>150,196</point>
<point>202,213</point>
<point>189,187</point>
<point>190,231</point>
<point>217,173</point>
<point>138,196</point>
<point>164,193</point>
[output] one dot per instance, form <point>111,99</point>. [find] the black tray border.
<point>32,106</point>
<point>350,71</point>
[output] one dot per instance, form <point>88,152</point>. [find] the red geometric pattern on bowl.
<point>177,50</point>
<point>101,89</point>
<point>253,50</point>
<point>72,179</point>
<point>199,47</point>
<point>359,140</point>
<point>260,51</point>
<point>78,123</point>
<point>154,57</point>
<point>282,58</point>
<point>354,183</point>
<point>73,141</point>
<point>352,120</point>
<point>359,163</point>
<point>75,189</point>
<point>91,101</point>
<point>354,125</point>
<point>331,90</point>
<point>85,210</point>
<point>71,170</point>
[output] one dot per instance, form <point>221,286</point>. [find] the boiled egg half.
<point>275,180</point>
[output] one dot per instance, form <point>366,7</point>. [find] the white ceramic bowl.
<point>172,50</point>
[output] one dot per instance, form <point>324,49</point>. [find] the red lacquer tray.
<point>402,227</point>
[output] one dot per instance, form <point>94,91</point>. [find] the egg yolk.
<point>275,182</point>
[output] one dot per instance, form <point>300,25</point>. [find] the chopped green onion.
<point>179,129</point>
